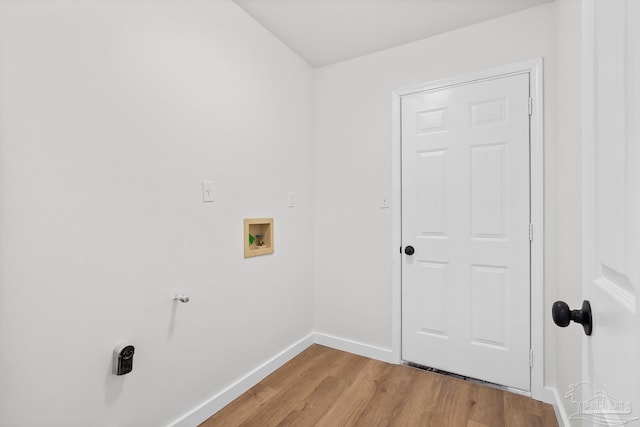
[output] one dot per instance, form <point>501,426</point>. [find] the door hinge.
<point>531,358</point>
<point>530,232</point>
<point>530,106</point>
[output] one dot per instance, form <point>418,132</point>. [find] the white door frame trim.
<point>535,68</point>
<point>588,145</point>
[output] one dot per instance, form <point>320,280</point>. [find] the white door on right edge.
<point>611,206</point>
<point>465,213</point>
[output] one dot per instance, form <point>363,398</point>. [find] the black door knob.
<point>562,315</point>
<point>409,250</point>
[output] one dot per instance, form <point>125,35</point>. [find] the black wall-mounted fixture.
<point>562,315</point>
<point>123,359</point>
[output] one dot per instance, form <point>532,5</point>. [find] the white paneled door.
<point>465,229</point>
<point>611,239</point>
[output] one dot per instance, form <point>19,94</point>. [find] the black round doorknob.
<point>409,250</point>
<point>563,315</point>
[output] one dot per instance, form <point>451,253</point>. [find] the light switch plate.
<point>207,191</point>
<point>385,200</point>
<point>292,200</point>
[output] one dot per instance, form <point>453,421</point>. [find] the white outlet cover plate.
<point>207,191</point>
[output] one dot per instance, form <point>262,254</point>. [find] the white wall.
<point>111,114</point>
<point>352,155</point>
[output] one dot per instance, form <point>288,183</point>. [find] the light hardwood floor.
<point>331,388</point>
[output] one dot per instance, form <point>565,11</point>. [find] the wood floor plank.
<point>242,408</point>
<point>328,388</point>
<point>453,404</point>
<point>316,404</point>
<point>291,398</point>
<point>420,400</point>
<point>487,406</point>
<point>249,403</point>
<point>288,374</point>
<point>356,398</point>
<point>390,394</point>
<point>523,411</point>
<point>517,418</point>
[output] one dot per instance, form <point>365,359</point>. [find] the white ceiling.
<point>329,31</point>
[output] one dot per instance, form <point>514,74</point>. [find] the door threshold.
<point>468,379</point>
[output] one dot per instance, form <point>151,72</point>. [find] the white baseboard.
<point>553,398</point>
<point>226,396</point>
<point>355,347</point>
